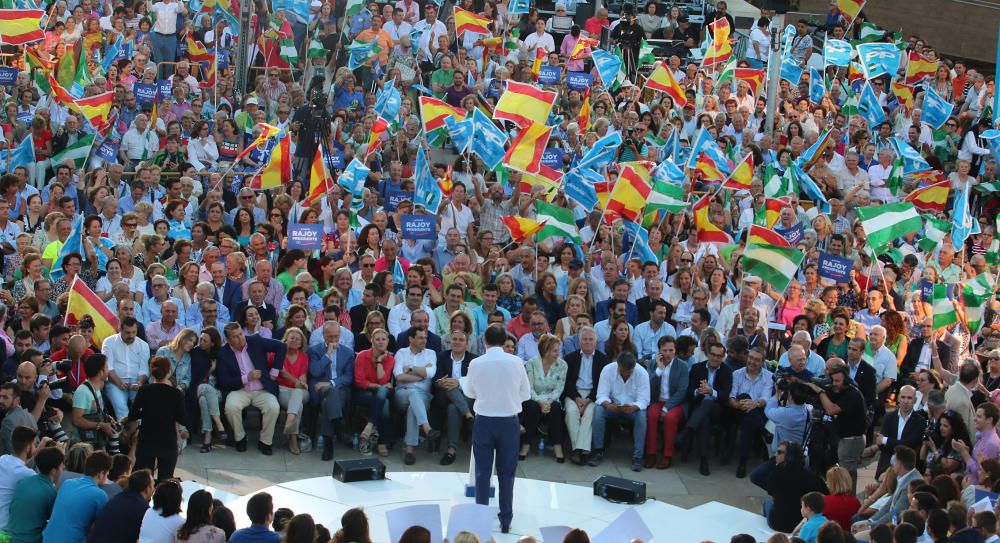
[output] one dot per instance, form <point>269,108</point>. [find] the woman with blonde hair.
<point>293,387</point>
<point>580,287</point>
<point>461,321</point>
<point>840,504</point>
<point>178,352</point>
<point>575,305</point>
<point>547,376</point>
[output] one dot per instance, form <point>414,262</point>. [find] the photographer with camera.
<point>75,352</point>
<point>312,120</point>
<point>629,35</point>
<point>844,403</point>
<point>40,393</point>
<point>90,413</point>
<point>13,416</point>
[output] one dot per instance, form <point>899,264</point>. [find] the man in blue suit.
<point>242,370</point>
<point>227,292</point>
<point>618,292</point>
<point>331,374</point>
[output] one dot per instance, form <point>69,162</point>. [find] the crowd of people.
<point>156,301</point>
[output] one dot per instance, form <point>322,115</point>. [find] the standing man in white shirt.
<point>496,428</point>
<point>128,363</point>
<point>622,396</point>
<point>540,39</point>
<point>164,33</point>
<point>430,29</point>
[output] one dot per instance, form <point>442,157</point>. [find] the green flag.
<point>885,223</point>
<point>560,223</point>
<point>777,185</point>
<point>666,197</point>
<point>77,152</point>
<point>775,265</point>
<point>976,294</point>
<point>895,180</point>
<point>942,307</point>
<point>934,233</point>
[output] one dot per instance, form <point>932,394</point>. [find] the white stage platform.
<point>537,504</point>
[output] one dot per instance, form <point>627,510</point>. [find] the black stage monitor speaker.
<point>620,490</point>
<point>778,6</point>
<point>364,469</point>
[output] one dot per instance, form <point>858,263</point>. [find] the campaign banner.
<point>549,75</point>
<point>926,290</point>
<point>164,87</point>
<point>394,195</point>
<point>835,268</point>
<point>145,93</point>
<point>8,76</point>
<point>308,237</point>
<point>337,161</point>
<point>792,235</point>
<point>579,80</point>
<point>419,227</point>
<point>553,158</point>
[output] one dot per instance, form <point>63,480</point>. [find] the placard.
<point>579,80</point>
<point>792,235</point>
<point>308,237</point>
<point>108,149</point>
<point>926,290</point>
<point>144,93</point>
<point>337,161</point>
<point>165,86</point>
<point>834,267</point>
<point>549,75</point>
<point>553,158</point>
<point>394,195</point>
<point>8,76</point>
<point>419,227</point>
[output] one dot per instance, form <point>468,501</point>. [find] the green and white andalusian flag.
<point>883,224</point>
<point>666,197</point>
<point>777,185</point>
<point>560,223</point>
<point>942,307</point>
<point>934,233</point>
<point>775,265</point>
<point>993,253</point>
<point>316,48</point>
<point>976,294</point>
<point>354,7</point>
<point>77,152</point>
<point>850,106</point>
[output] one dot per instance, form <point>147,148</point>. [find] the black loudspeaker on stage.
<point>364,469</point>
<point>620,490</point>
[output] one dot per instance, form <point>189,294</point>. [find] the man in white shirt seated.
<point>622,396</point>
<point>415,367</point>
<point>128,365</point>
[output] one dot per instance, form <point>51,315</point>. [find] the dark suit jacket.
<point>677,379</point>
<point>909,364</point>
<point>319,368</point>
<point>722,385</point>
<point>267,312</point>
<point>232,294</point>
<point>644,306</point>
<point>913,434</point>
<point>867,381</point>
<point>358,315</point>
<point>228,370</point>
<point>573,361</point>
<point>631,313</point>
<point>433,341</point>
<point>444,366</point>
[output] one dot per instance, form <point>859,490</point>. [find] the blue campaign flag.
<point>359,53</point>
<point>388,101</point>
<point>22,155</point>
<point>702,140</point>
<point>487,139</point>
<point>836,53</point>
<point>912,161</point>
<point>299,7</point>
<point>992,138</point>
<point>427,193</point>
<point>669,172</point>
<point>74,244</point>
<point>671,148</point>
<point>936,109</point>
<point>638,238</point>
<point>460,133</point>
<point>602,153</point>
<point>607,65</point>
<point>791,71</point>
<point>353,178</point>
<point>878,59</point>
<point>816,89</point>
<point>963,223</point>
<point>787,37</point>
<point>719,158</point>
<point>869,108</point>
<point>810,189</point>
<point>398,277</point>
<point>518,7</point>
<point>422,89</point>
<point>578,184</point>
<point>111,54</point>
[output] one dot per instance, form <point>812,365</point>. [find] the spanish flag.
<point>904,93</point>
<point>603,190</point>
<point>536,66</point>
<point>854,73</point>
<point>932,197</point>
<point>769,213</point>
<point>583,120</point>
<point>278,168</point>
<point>266,132</point>
<point>918,68</point>
<point>582,48</point>
<point>467,21</point>
<point>742,175</point>
<point>447,184</point>
<point>850,9</point>
<point>197,51</point>
<point>520,227</point>
<point>21,26</point>
<point>96,108</point>
<point>523,104</point>
<point>61,94</point>
<point>320,180</point>
<point>662,80</point>
<point>759,235</point>
<point>754,78</point>
<point>547,178</point>
<point>708,169</point>
<point>629,195</point>
<point>708,232</point>
<point>210,74</point>
<point>83,302</point>
<point>434,111</point>
<point>525,153</point>
<point>375,139</point>
<point>719,49</point>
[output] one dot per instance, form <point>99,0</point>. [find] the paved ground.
<point>681,485</point>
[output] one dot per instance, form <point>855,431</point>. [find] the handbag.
<point>95,435</point>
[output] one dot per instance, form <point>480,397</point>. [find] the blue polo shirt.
<point>255,534</point>
<point>77,505</point>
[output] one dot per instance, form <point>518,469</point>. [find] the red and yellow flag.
<point>278,169</point>
<point>434,111</point>
<point>720,50</point>
<point>210,74</point>
<point>583,120</point>
<point>197,51</point>
<point>708,169</point>
<point>375,139</point>
<point>742,175</point>
<point>467,21</point>
<point>629,195</point>
<point>919,67</point>
<point>320,180</point>
<point>96,108</point>
<point>61,94</point>
<point>82,303</point>
<point>754,78</point>
<point>904,93</point>
<point>662,80</point>
<point>582,48</point>
<point>854,73</point>
<point>523,104</point>
<point>21,26</point>
<point>850,9</point>
<point>520,227</point>
<point>266,132</point>
<point>759,235</point>
<point>547,178</point>
<point>536,66</point>
<point>447,184</point>
<point>525,153</point>
<point>771,211</point>
<point>708,232</point>
<point>932,197</point>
